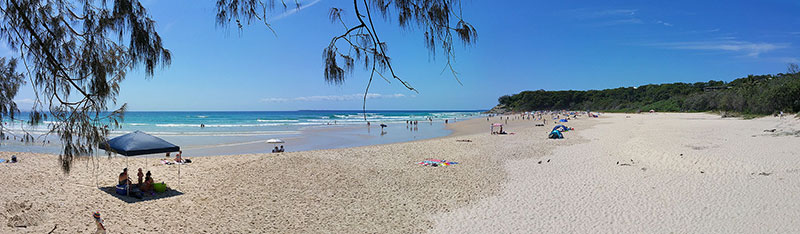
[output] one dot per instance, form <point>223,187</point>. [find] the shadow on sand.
<point>111,190</point>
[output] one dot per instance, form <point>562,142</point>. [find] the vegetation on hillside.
<point>754,94</point>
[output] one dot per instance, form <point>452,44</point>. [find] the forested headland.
<point>754,94</point>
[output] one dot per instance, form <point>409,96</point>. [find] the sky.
<point>522,45</point>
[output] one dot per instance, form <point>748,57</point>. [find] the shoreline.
<point>306,139</point>
<point>377,188</point>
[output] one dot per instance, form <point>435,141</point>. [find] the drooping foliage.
<point>75,55</point>
<point>761,94</point>
<point>10,81</point>
<point>440,21</point>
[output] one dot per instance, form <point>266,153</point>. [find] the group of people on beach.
<point>179,157</point>
<point>13,159</point>
<point>278,150</point>
<point>144,182</point>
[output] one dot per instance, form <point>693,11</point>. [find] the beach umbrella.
<point>491,130</point>
<point>139,143</point>
<point>275,141</point>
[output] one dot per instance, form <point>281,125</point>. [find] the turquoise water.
<point>221,133</point>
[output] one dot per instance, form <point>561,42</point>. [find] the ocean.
<point>205,133</point>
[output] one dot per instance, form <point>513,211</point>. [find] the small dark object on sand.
<point>765,173</point>
<point>644,169</point>
<point>625,164</point>
<point>464,140</point>
<point>540,162</point>
<point>770,130</point>
<point>681,154</point>
<point>701,172</point>
<point>548,160</point>
<point>617,162</point>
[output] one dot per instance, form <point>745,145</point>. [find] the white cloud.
<point>585,13</point>
<point>664,23</point>
<point>295,10</point>
<point>790,60</point>
<point>24,101</point>
<point>348,97</point>
<point>709,31</point>
<point>607,17</point>
<point>620,22</point>
<point>747,48</point>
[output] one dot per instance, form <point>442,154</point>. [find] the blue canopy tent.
<point>140,143</point>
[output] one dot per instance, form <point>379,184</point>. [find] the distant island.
<point>751,95</point>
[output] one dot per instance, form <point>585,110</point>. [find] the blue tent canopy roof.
<point>138,143</point>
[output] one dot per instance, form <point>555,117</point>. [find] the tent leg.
<point>94,168</point>
<point>127,187</point>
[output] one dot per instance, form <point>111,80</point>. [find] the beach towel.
<point>436,162</point>
<point>2,160</point>
<point>170,162</point>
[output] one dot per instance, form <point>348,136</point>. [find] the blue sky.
<point>522,45</point>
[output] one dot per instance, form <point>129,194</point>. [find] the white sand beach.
<point>676,173</point>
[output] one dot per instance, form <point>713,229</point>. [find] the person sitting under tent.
<point>281,149</point>
<point>147,186</point>
<point>555,134</point>
<point>123,177</point>
<point>139,175</point>
<point>275,150</point>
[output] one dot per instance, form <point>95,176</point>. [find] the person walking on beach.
<point>101,228</point>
